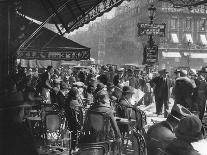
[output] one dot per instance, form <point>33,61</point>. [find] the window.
<point>202,24</point>
<point>174,23</point>
<point>188,24</point>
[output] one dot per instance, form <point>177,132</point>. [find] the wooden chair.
<point>52,127</point>
<point>139,143</point>
<point>96,134</point>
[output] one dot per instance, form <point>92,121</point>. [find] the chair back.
<point>99,125</point>
<point>52,121</point>
<point>161,152</point>
<point>99,148</point>
<point>140,118</point>
<point>140,143</point>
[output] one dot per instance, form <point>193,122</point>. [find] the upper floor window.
<point>188,24</point>
<point>174,23</point>
<point>202,24</point>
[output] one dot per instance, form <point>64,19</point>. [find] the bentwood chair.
<point>52,126</point>
<point>161,152</point>
<point>139,143</point>
<point>96,136</point>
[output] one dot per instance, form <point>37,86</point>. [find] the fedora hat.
<point>189,129</point>
<point>178,112</point>
<point>162,71</point>
<point>128,89</point>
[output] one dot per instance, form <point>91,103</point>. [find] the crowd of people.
<point>80,93</point>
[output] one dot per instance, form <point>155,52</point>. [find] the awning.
<point>189,37</point>
<point>70,13</point>
<point>171,54</point>
<point>174,38</point>
<point>47,45</point>
<point>196,55</point>
<point>203,39</point>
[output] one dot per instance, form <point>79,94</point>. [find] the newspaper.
<point>200,146</point>
<point>137,96</point>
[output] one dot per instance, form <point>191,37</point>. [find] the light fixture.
<point>151,12</point>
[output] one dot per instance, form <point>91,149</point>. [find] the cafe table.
<point>120,120</point>
<point>52,150</point>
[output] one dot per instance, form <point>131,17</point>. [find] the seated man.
<point>100,106</point>
<point>189,130</point>
<point>160,134</point>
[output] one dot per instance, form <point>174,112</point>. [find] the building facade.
<point>184,44</point>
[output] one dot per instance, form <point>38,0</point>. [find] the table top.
<point>53,151</point>
<point>34,118</point>
<point>124,120</point>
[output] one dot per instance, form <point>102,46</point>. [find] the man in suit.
<point>161,86</point>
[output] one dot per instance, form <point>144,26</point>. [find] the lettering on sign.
<point>45,55</point>
<point>151,29</point>
<point>150,54</point>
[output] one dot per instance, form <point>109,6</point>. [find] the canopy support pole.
<point>4,44</point>
<point>40,27</point>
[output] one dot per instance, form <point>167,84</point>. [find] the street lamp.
<point>151,12</point>
<point>189,54</point>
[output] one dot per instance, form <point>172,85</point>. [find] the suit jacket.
<point>161,87</point>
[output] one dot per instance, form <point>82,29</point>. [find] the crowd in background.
<point>109,90</point>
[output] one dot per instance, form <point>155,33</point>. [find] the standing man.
<point>161,86</point>
<point>119,77</point>
<point>46,86</point>
<point>201,92</point>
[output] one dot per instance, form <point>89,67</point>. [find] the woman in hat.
<point>15,137</point>
<point>189,130</point>
<point>100,106</point>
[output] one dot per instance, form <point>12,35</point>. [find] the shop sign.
<point>151,29</point>
<point>150,54</point>
<point>59,55</point>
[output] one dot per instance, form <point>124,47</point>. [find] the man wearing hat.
<point>201,92</point>
<point>119,77</point>
<point>161,86</point>
<point>189,130</point>
<point>133,82</point>
<point>161,134</point>
<point>184,90</point>
<point>15,137</point>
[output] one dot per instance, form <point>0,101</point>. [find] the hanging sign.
<point>150,54</point>
<point>151,29</point>
<point>58,54</point>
